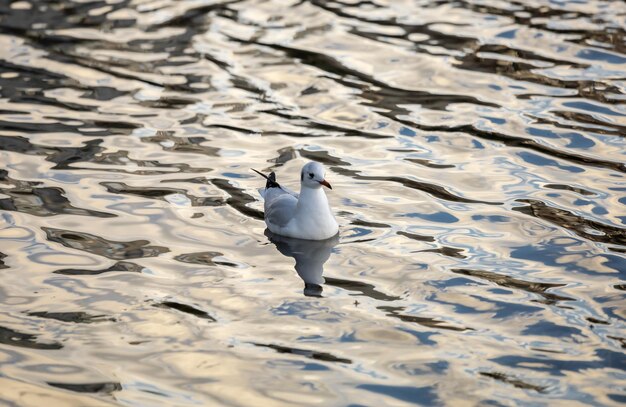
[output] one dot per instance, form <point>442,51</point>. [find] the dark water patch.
<point>28,77</point>
<point>65,156</point>
<point>326,357</point>
<point>101,387</point>
<point>39,98</point>
<point>365,289</point>
<point>446,251</point>
<point>168,102</point>
<point>159,193</point>
<point>74,317</point>
<point>233,128</point>
<point>238,199</point>
<point>425,396</point>
<point>520,384</point>
<point>102,93</point>
<point>19,144</point>
<point>61,156</point>
<point>116,250</point>
<point>557,352</point>
<point>59,16</point>
<point>285,154</point>
<point>577,126</point>
<point>146,192</point>
<point>617,249</point>
<point>414,236</point>
<point>187,309</point>
<point>367,224</point>
<point>169,142</point>
<point>618,398</point>
<point>611,38</point>
<point>523,54</point>
<point>321,156</point>
<point>587,228</point>
<point>511,282</point>
<point>204,258</point>
<point>120,266</point>
<point>424,321</point>
<point>516,64</point>
<point>193,16</point>
<point>14,338</point>
<point>551,329</point>
<point>578,190</point>
<point>29,86</point>
<point>12,112</point>
<point>237,129</point>
<point>592,120</point>
<point>44,201</point>
<point>597,321</point>
<point>193,180</point>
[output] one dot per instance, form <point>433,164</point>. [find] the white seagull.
<point>305,216</point>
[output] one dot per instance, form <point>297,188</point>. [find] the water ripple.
<point>476,151</point>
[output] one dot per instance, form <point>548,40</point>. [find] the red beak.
<point>325,183</point>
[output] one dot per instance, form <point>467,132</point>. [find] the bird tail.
<point>271,179</point>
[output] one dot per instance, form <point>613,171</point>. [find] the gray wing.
<point>280,206</point>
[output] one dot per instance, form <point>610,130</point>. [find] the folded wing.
<point>280,207</point>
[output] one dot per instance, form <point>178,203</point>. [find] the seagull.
<point>305,216</point>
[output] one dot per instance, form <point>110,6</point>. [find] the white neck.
<point>313,215</point>
<point>312,202</point>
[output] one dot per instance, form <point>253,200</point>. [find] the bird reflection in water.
<point>310,256</point>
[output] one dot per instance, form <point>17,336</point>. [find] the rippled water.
<point>476,149</point>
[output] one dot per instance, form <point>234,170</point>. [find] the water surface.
<point>476,151</point>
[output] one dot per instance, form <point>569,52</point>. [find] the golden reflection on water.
<point>477,157</point>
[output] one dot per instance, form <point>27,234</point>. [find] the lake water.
<point>476,150</point>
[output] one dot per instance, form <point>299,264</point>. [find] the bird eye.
<point>310,175</point>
